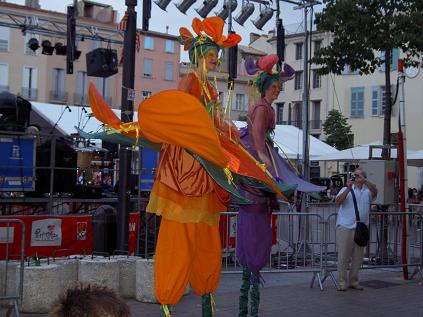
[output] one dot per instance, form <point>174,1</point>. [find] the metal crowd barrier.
<point>297,244</point>
<point>12,289</point>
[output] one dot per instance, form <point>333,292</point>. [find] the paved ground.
<point>386,294</point>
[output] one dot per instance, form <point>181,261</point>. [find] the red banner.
<point>47,236</point>
<point>134,224</point>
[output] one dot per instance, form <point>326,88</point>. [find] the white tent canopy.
<point>362,152</point>
<point>290,141</point>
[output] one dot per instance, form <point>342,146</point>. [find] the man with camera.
<point>365,191</point>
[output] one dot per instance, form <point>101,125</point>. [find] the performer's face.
<point>272,92</point>
<point>210,60</point>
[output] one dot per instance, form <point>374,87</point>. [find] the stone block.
<point>144,281</point>
<point>42,285</point>
<point>100,271</point>
<point>127,269</point>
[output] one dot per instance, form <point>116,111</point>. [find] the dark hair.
<point>89,300</point>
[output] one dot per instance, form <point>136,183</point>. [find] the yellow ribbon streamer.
<point>213,304</point>
<point>229,176</point>
<point>166,310</point>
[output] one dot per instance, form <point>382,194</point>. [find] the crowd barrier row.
<point>306,242</point>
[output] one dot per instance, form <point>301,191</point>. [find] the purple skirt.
<point>254,237</point>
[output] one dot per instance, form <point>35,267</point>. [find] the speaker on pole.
<point>102,62</point>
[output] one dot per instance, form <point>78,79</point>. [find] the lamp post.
<point>127,112</point>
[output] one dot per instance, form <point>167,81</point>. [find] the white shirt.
<point>346,214</point>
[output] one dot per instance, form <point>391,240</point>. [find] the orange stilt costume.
<point>188,199</point>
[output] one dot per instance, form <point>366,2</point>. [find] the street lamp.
<point>184,5</point>
<point>208,5</point>
<point>162,4</point>
<point>263,18</point>
<point>227,5</point>
<point>246,11</point>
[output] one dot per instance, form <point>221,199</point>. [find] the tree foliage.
<point>362,28</point>
<point>338,131</point>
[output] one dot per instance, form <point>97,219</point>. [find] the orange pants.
<point>186,252</point>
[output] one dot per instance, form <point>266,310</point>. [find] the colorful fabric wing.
<point>175,117</point>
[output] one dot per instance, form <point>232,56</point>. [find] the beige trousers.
<point>348,250</point>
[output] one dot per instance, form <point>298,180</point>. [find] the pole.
<point>127,112</point>
<point>232,52</point>
<point>402,148</point>
<point>305,114</point>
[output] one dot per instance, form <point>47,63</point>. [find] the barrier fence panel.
<point>385,245</point>
<point>297,243</point>
<point>11,283</point>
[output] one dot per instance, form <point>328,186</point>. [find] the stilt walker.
<point>254,233</point>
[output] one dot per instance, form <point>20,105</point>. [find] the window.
<point>4,77</point>
<point>94,44</point>
<point>4,38</point>
<point>297,114</point>
<point>239,102</point>
<point>170,46</point>
<point>81,88</point>
<point>315,115</point>
<point>394,60</point>
<point>279,112</point>
<point>316,80</point>
<point>375,101</point>
<point>103,86</point>
<point>148,67</point>
<point>29,83</point>
<point>298,51</point>
<point>168,71</point>
<point>317,46</point>
<point>298,82</point>
<point>27,37</point>
<point>145,95</point>
<point>58,90</point>
<point>148,43</point>
<point>357,102</point>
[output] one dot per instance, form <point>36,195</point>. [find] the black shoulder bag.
<point>361,234</point>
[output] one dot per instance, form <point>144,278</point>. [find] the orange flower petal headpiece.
<point>209,36</point>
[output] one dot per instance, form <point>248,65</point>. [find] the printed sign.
<point>7,234</point>
<point>46,232</point>
<point>81,231</point>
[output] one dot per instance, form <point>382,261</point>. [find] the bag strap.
<point>357,216</point>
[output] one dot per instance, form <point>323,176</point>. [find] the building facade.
<point>43,78</point>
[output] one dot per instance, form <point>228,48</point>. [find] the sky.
<point>175,19</point>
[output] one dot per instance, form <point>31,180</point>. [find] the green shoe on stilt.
<point>243,293</point>
<point>165,311</point>
<point>206,304</point>
<point>255,299</point>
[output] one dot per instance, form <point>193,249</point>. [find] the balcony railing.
<point>58,95</point>
<point>30,93</point>
<point>315,125</point>
<point>80,99</point>
<point>4,88</point>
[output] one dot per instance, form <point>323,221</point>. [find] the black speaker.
<point>102,62</point>
<point>14,112</point>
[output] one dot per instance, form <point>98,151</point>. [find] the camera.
<point>352,177</point>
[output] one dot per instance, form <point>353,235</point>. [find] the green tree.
<point>362,29</point>
<point>338,131</point>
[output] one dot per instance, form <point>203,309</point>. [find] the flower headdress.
<point>209,36</point>
<point>267,76</point>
